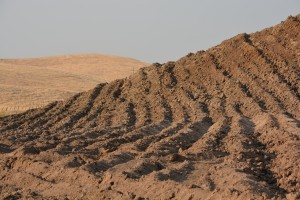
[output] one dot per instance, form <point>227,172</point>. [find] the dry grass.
<point>34,82</point>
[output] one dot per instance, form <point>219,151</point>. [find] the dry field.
<point>217,124</point>
<point>32,83</point>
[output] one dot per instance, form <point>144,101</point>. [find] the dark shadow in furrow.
<point>106,118</point>
<point>109,132</point>
<point>75,117</point>
<point>198,130</point>
<point>168,114</point>
<point>138,114</point>
<point>186,116</point>
<point>169,71</point>
<point>89,120</point>
<point>157,68</point>
<point>80,149</point>
<point>189,94</point>
<point>90,138</point>
<point>143,74</point>
<point>116,138</point>
<point>178,174</point>
<point>33,149</point>
<point>276,123</point>
<point>145,88</point>
<point>148,114</point>
<point>5,148</point>
<point>260,102</point>
<point>131,114</point>
<point>93,108</point>
<point>128,119</point>
<point>146,141</point>
<point>103,165</point>
<point>54,119</point>
<point>133,136</point>
<point>173,77</point>
<point>40,113</point>
<point>260,162</point>
<point>109,108</point>
<point>203,106</point>
<point>182,138</point>
<point>290,116</point>
<point>143,168</point>
<point>223,105</point>
<point>186,73</point>
<point>180,107</point>
<point>273,65</point>
<point>168,130</point>
<point>245,90</point>
<point>201,88</point>
<point>22,138</point>
<point>190,107</point>
<point>96,112</point>
<point>118,90</point>
<point>263,86</point>
<point>41,121</point>
<point>144,83</point>
<point>217,145</point>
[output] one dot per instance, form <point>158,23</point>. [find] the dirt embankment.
<point>217,124</point>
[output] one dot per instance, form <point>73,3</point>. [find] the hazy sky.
<point>148,30</point>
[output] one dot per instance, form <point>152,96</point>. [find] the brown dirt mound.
<point>217,124</point>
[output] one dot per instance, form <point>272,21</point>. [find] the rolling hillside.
<point>35,82</point>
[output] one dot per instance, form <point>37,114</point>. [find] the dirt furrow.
<point>65,110</point>
<point>281,77</point>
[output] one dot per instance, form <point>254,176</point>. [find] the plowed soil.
<point>216,124</point>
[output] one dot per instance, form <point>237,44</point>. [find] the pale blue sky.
<point>148,30</point>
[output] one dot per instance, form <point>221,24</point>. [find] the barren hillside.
<point>216,124</point>
<point>35,82</point>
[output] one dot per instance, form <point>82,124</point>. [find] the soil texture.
<point>216,124</point>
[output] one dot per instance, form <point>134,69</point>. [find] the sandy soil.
<point>216,124</point>
<point>35,82</point>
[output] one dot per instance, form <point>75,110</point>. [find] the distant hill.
<point>34,82</point>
